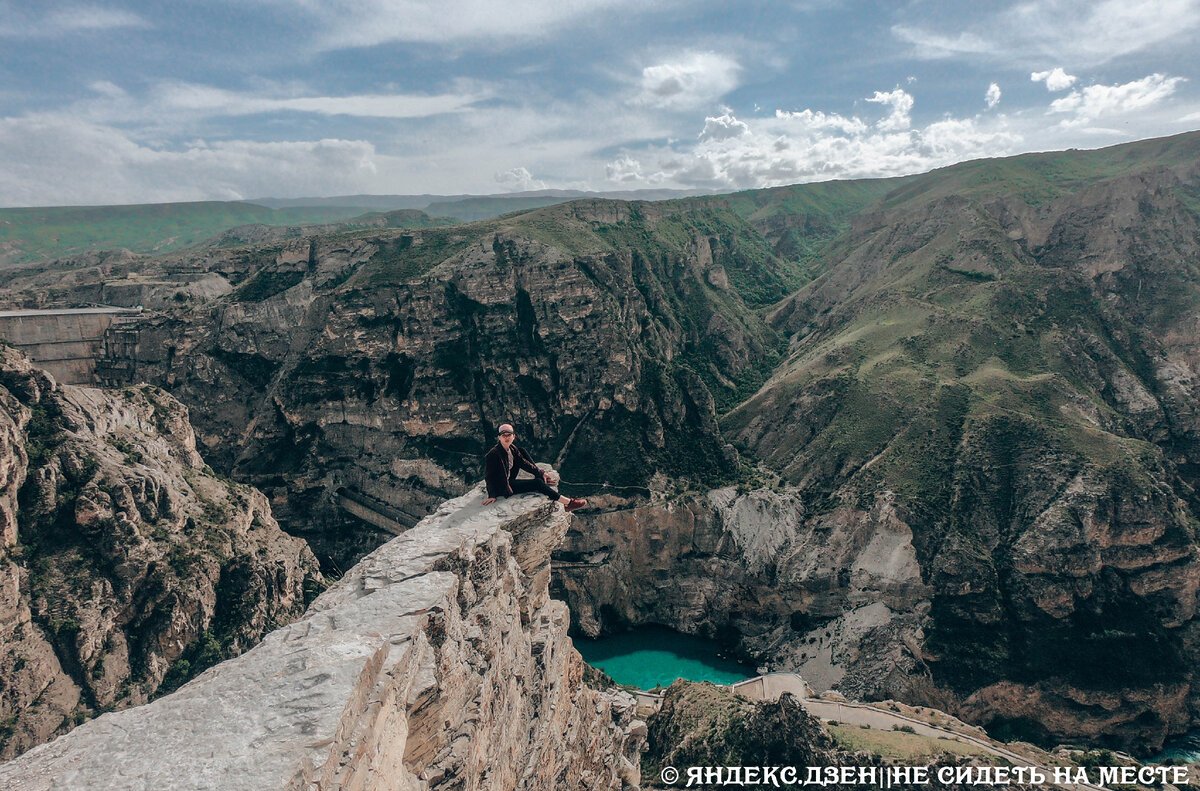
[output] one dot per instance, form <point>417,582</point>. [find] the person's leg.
<point>538,485</point>
<point>524,486</point>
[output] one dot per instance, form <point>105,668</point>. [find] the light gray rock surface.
<point>126,565</point>
<point>836,597</point>
<point>439,661</point>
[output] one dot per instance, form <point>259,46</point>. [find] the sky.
<point>132,101</point>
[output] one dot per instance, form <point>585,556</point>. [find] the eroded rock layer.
<point>437,662</point>
<point>984,444</point>
<point>126,565</point>
<point>967,449</point>
<point>384,361</point>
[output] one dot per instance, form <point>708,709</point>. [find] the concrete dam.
<point>77,346</point>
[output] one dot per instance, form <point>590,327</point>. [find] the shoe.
<point>575,504</point>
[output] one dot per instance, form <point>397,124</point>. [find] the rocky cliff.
<point>837,597</point>
<point>126,565</point>
<point>933,438</point>
<point>438,662</point>
<point>609,333</point>
<point>985,437</point>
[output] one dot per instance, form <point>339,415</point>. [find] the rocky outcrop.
<point>706,725</point>
<point>126,564</point>
<point>438,662</point>
<point>836,597</point>
<point>1021,380</point>
<point>700,725</point>
<point>345,360</point>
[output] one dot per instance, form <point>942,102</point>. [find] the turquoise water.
<point>654,656</point>
<point>1186,748</point>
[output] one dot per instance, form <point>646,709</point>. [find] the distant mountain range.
<point>527,199</point>
<point>38,234</point>
<point>933,439</point>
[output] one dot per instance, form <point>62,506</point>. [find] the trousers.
<point>535,485</point>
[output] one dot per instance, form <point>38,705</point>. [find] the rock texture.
<point>1019,378</point>
<point>987,433</point>
<point>702,725</point>
<point>836,597</point>
<point>125,563</point>
<point>601,330</point>
<point>968,448</point>
<point>437,662</point>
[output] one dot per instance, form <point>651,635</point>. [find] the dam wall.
<point>439,661</point>
<point>65,343</point>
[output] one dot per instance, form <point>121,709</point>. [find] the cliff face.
<point>125,564</point>
<point>967,449</point>
<point>1021,380</point>
<point>835,597</point>
<point>606,332</point>
<point>439,661</point>
<point>985,438</point>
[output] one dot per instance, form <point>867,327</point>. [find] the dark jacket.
<point>499,476</point>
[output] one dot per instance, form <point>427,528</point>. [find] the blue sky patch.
<point>131,102</point>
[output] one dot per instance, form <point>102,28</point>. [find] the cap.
<point>505,429</point>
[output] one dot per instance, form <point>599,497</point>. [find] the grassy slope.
<point>802,220</point>
<point>659,241</point>
<point>35,234</point>
<point>973,376</point>
<point>483,207</point>
<point>930,317</point>
<point>1037,179</point>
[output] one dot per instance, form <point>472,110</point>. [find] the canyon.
<point>127,564</point>
<point>438,661</point>
<point>933,438</point>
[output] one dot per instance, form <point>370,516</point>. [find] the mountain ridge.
<point>928,434</point>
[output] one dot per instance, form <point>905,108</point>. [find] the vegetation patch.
<point>898,744</point>
<point>400,259</point>
<point>267,283</point>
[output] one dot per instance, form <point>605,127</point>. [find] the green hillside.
<point>993,348</point>
<point>485,206</point>
<point>29,235</point>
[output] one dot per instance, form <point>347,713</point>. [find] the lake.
<point>654,656</point>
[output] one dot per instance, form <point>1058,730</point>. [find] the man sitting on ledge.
<point>504,462</point>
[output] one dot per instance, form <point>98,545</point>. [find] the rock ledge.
<point>438,661</point>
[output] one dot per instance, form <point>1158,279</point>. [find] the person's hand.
<point>489,501</point>
<point>549,478</point>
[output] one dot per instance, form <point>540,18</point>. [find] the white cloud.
<point>519,180</point>
<point>901,103</point>
<point>723,127</point>
<point>693,79</point>
<point>366,23</point>
<point>56,160</point>
<point>623,170</point>
<point>1096,101</point>
<point>812,145</point>
<point>92,17</point>
<point>817,120</point>
<point>67,20</point>
<point>931,45</point>
<point>992,97</point>
<point>1081,32</point>
<point>1056,79</point>
<point>109,90</point>
<point>206,100</point>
